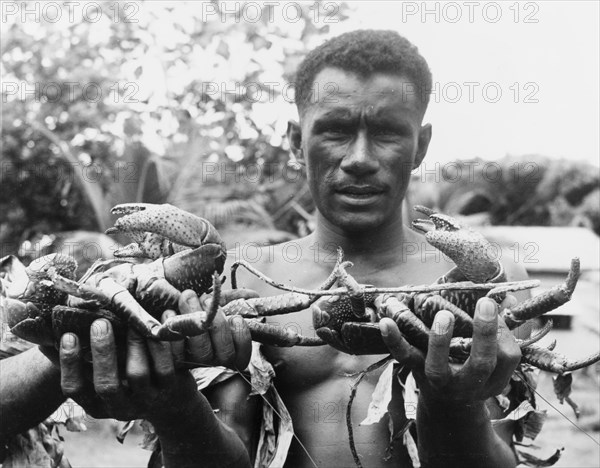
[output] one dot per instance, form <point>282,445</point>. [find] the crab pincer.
<point>172,230</point>
<point>475,257</point>
<point>189,247</point>
<point>472,253</point>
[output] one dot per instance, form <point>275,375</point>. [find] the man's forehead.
<point>339,93</point>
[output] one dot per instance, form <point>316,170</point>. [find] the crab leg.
<point>545,302</point>
<point>551,361</point>
<point>541,333</point>
<point>431,305</point>
<point>411,326</point>
<point>179,326</point>
<point>281,304</point>
<point>109,293</point>
<point>331,279</point>
<point>356,292</point>
<point>279,336</point>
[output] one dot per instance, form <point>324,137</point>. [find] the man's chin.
<point>363,223</point>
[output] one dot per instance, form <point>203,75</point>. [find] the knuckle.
<point>137,375</point>
<point>165,372</point>
<point>434,376</point>
<point>71,387</point>
<point>69,356</point>
<point>106,389</point>
<point>483,366</point>
<point>486,330</point>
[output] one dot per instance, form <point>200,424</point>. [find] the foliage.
<point>526,190</point>
<point>165,103</point>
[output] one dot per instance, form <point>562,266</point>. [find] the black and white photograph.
<point>310,234</point>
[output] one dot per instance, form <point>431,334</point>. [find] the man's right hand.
<point>227,343</point>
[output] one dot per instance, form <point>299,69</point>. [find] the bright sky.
<point>493,45</point>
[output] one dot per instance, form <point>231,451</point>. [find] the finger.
<point>199,348</point>
<point>509,356</point>
<point>436,362</point>
<point>72,380</point>
<point>242,342</point>
<point>162,362</point>
<point>138,362</point>
<point>222,341</point>
<point>399,348</point>
<point>189,302</point>
<point>177,347</point>
<point>233,294</point>
<point>484,349</point>
<point>104,358</point>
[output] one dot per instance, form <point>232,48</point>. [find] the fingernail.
<point>99,328</point>
<point>488,309</point>
<point>441,323</point>
<point>68,341</point>
<point>384,329</point>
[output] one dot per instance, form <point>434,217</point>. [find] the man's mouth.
<point>360,190</point>
<point>361,194</point>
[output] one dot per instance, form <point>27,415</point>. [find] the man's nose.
<point>358,159</point>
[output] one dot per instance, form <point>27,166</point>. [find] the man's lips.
<point>360,190</point>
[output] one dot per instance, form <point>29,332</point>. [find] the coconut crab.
<point>188,253</point>
<point>349,322</point>
<point>43,300</point>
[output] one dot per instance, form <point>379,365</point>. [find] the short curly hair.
<point>364,52</point>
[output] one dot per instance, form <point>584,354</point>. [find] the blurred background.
<point>188,103</point>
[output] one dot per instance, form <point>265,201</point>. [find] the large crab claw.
<point>161,230</point>
<point>472,253</point>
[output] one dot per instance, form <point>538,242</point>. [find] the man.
<point>361,101</point>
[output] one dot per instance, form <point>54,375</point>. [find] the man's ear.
<point>424,139</point>
<point>294,134</point>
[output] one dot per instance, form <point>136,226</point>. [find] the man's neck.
<point>375,246</point>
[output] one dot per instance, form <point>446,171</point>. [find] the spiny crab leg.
<point>277,305</point>
<point>542,303</point>
<point>326,284</point>
<point>160,230</point>
<point>417,333</point>
<point>541,333</point>
<point>283,303</point>
<point>108,293</point>
<point>552,361</point>
<point>458,286</point>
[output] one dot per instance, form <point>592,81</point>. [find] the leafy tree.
<point>152,102</point>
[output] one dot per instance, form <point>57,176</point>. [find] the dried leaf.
<point>562,389</point>
<point>382,395</point>
<point>125,430</point>
<point>526,459</point>
<point>40,447</point>
<point>150,440</point>
<point>410,393</point>
<point>412,449</point>
<point>261,371</point>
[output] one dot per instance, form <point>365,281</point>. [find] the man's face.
<point>360,140</point>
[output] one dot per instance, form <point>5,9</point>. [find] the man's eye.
<point>383,132</point>
<point>337,131</point>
